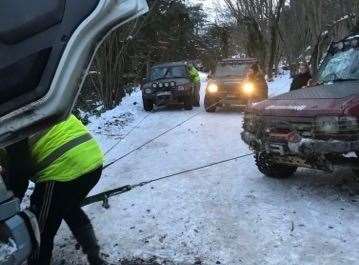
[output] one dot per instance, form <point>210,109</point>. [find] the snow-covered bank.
<point>111,126</point>
<point>280,85</point>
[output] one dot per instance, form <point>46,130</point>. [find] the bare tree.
<point>168,32</point>
<point>274,32</point>
<point>308,27</point>
<point>292,29</point>
<point>260,19</point>
<point>108,70</point>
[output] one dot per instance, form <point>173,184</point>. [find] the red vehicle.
<point>314,127</point>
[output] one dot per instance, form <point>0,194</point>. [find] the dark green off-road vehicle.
<point>232,84</point>
<point>169,83</point>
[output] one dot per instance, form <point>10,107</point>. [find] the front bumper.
<point>233,98</point>
<point>164,96</point>
<point>304,147</point>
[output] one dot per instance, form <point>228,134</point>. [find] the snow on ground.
<point>7,249</point>
<point>113,125</point>
<point>280,85</point>
<point>227,214</point>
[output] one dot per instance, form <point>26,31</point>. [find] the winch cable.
<point>158,136</point>
<point>127,134</point>
<point>193,169</point>
<point>104,196</point>
<point>148,142</point>
<point>132,35</point>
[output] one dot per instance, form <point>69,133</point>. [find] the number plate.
<point>164,93</point>
<point>231,96</point>
<point>278,148</point>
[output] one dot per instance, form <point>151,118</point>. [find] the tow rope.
<point>154,138</point>
<point>104,196</point>
<point>127,134</point>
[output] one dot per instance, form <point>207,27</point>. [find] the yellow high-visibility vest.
<point>65,152</point>
<point>194,75</point>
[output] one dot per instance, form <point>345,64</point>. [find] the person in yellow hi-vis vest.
<point>65,163</point>
<point>196,81</point>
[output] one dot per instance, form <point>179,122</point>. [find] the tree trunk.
<point>274,29</point>
<point>272,53</point>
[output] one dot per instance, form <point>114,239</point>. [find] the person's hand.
<point>312,82</point>
<point>3,171</point>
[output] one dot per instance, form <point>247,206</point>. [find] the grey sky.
<point>209,5</point>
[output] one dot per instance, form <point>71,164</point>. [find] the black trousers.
<point>197,91</point>
<point>53,202</point>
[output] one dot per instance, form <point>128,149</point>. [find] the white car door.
<point>45,51</point>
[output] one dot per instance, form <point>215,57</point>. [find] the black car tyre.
<point>209,104</point>
<point>271,169</point>
<point>148,104</point>
<point>188,102</point>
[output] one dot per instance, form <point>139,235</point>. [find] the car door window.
<point>33,35</point>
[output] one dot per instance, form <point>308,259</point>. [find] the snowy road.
<point>226,214</point>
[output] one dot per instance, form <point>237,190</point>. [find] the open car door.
<point>46,47</point>
<point>45,50</point>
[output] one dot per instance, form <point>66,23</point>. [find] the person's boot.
<point>85,236</point>
<point>96,260</point>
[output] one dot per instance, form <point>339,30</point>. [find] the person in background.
<point>196,80</point>
<point>255,73</point>
<point>256,76</point>
<point>301,79</point>
<point>65,163</point>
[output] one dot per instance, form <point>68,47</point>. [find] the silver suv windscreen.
<point>224,70</point>
<point>341,66</point>
<point>168,72</point>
